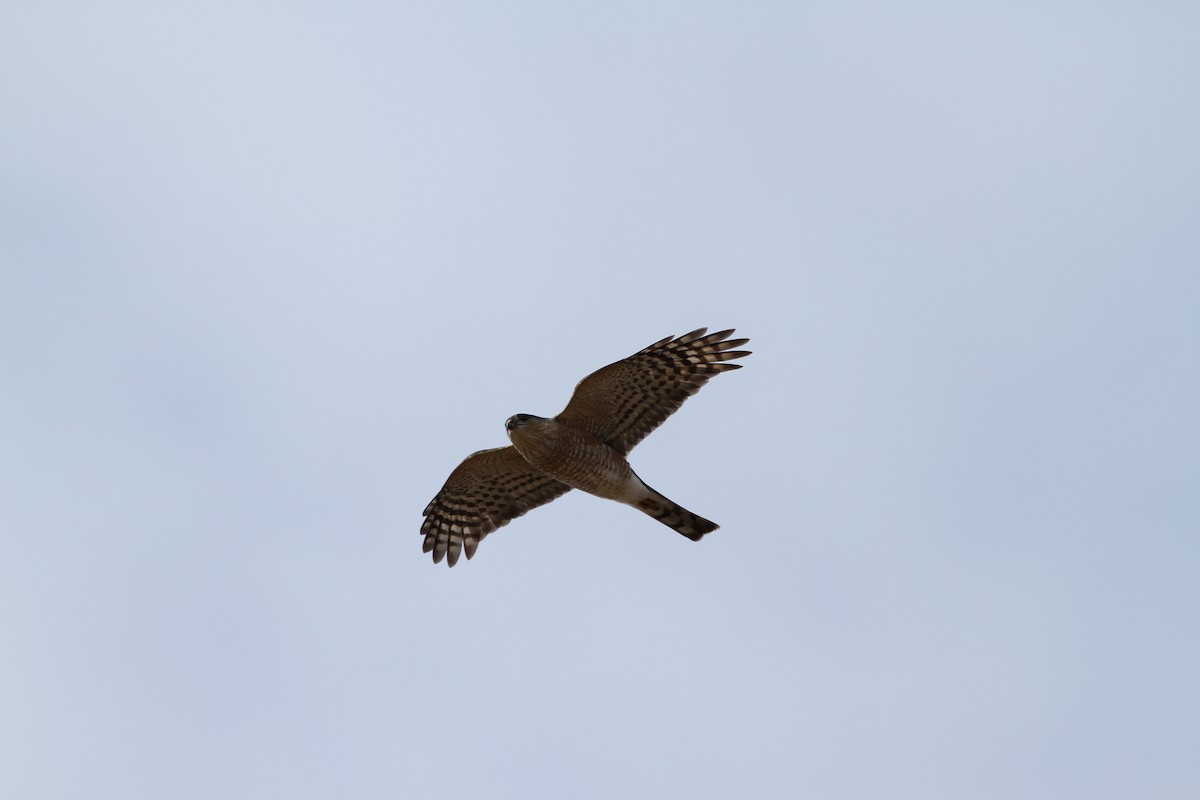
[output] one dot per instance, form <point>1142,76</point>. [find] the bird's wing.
<point>623,402</point>
<point>487,490</point>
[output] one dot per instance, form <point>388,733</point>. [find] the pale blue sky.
<point>269,271</point>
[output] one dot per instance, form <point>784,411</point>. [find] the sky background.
<point>270,270</point>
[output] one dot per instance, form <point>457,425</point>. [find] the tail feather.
<point>675,516</point>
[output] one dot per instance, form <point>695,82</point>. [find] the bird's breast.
<point>576,458</point>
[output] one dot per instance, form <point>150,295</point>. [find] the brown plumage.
<point>584,447</point>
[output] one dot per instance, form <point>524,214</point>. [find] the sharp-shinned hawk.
<point>584,447</point>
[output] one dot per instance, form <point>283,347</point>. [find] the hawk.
<point>584,447</point>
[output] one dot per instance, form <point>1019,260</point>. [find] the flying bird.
<point>584,447</point>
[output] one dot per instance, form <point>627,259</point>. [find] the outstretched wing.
<point>487,490</point>
<point>623,402</point>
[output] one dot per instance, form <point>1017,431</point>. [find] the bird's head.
<point>520,421</point>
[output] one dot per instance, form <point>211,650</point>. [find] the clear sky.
<point>270,270</point>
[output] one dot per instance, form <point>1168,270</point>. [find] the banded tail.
<point>675,516</point>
